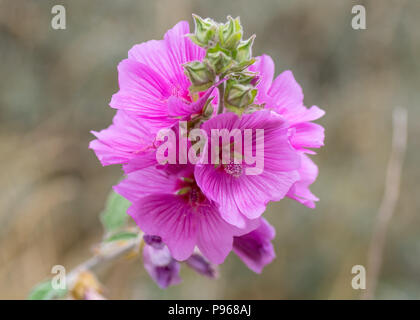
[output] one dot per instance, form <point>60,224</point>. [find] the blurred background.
<point>56,86</point>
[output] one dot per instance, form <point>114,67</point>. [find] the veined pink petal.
<point>245,196</point>
<point>167,56</point>
<point>122,140</point>
<point>214,235</point>
<point>300,190</point>
<point>154,54</point>
<point>141,183</point>
<point>264,66</point>
<point>143,92</point>
<point>181,50</point>
<point>303,114</point>
<point>307,135</point>
<point>286,92</point>
<point>178,108</point>
<point>169,217</point>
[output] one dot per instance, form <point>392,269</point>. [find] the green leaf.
<point>115,214</point>
<point>123,235</point>
<point>45,291</point>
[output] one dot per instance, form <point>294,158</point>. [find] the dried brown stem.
<point>389,201</point>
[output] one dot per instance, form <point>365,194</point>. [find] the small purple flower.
<point>201,265</point>
<point>255,248</point>
<point>158,262</point>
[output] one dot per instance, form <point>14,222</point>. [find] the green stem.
<point>221,88</point>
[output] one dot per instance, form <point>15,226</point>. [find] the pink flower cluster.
<point>200,213</point>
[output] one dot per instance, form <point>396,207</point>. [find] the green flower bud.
<point>244,50</point>
<point>205,31</point>
<point>230,33</point>
<point>219,60</point>
<point>200,75</point>
<point>239,96</point>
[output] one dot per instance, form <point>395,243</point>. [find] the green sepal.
<point>205,31</point>
<point>244,50</point>
<point>230,33</point>
<point>200,74</point>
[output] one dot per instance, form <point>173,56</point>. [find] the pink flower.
<point>200,211</point>
<point>153,85</point>
<point>240,195</point>
<point>284,95</point>
<point>201,265</point>
<point>255,248</point>
<point>169,204</point>
<point>153,95</point>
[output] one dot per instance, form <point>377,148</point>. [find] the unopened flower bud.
<point>230,33</point>
<point>200,75</point>
<point>154,241</point>
<point>205,31</point>
<point>244,50</point>
<point>239,96</point>
<point>219,60</point>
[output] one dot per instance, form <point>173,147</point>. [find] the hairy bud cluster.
<point>227,58</point>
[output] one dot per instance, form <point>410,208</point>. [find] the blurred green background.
<point>55,88</point>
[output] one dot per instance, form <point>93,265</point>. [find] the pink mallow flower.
<point>153,95</point>
<point>255,248</point>
<point>152,82</point>
<point>241,195</point>
<point>169,204</point>
<point>284,95</point>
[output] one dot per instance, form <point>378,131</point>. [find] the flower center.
<point>234,169</point>
<point>190,192</point>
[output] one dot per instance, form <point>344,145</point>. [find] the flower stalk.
<point>221,89</point>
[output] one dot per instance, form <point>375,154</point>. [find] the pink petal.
<point>120,142</point>
<point>178,108</point>
<point>300,190</point>
<point>307,135</point>
<point>265,68</point>
<point>255,248</point>
<point>154,54</point>
<point>286,92</point>
<point>303,114</point>
<point>144,182</point>
<point>144,92</point>
<point>169,217</point>
<point>181,50</point>
<point>214,235</point>
<point>141,161</point>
